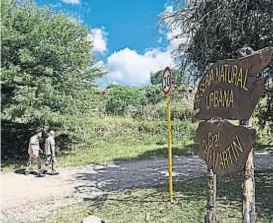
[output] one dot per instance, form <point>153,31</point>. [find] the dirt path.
<point>28,198</point>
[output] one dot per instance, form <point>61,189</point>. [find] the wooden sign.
<point>230,89</point>
<point>223,146</point>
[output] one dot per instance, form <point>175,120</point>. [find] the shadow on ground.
<point>194,191</point>
<point>142,173</point>
<point>124,175</point>
<point>160,152</point>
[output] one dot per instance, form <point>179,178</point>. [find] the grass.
<point>100,140</point>
<point>189,206</point>
<point>115,138</point>
<point>104,153</point>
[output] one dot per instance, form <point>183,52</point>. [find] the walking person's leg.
<point>53,161</point>
<point>48,162</point>
<point>39,165</point>
<point>53,164</point>
<point>29,165</point>
<point>38,162</point>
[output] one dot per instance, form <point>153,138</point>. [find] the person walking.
<point>50,152</point>
<point>33,151</point>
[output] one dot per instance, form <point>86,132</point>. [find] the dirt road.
<point>29,198</point>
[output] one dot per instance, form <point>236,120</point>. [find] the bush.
<point>88,131</point>
<point>154,94</point>
<point>118,98</point>
<point>180,109</point>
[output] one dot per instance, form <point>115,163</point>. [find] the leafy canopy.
<point>211,30</point>
<point>47,67</point>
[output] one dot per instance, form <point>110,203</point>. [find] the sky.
<point>126,35</point>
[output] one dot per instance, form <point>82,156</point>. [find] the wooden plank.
<point>223,146</point>
<point>230,89</point>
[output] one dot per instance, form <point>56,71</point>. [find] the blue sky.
<point>126,37</point>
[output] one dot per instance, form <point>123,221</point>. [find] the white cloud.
<point>99,40</point>
<point>174,34</point>
<point>131,68</point>
<point>71,1</point>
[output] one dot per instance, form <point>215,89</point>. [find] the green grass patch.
<point>105,139</point>
<point>189,206</point>
<point>105,153</point>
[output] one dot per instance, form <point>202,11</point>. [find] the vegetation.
<point>189,205</point>
<point>215,30</point>
<point>47,80</point>
<point>47,73</point>
<point>46,65</point>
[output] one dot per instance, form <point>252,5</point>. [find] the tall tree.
<point>47,67</point>
<point>179,77</point>
<point>211,30</point>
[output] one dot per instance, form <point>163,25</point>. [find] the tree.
<point>47,67</point>
<point>118,98</point>
<point>154,94</point>
<point>179,77</point>
<point>212,30</point>
<point>179,83</point>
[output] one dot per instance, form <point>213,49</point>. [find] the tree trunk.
<point>211,200</point>
<point>248,186</point>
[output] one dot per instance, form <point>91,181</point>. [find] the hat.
<point>38,130</point>
<point>52,132</point>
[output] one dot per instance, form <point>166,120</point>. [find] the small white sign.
<point>167,80</point>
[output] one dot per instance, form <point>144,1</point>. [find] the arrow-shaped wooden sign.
<point>230,88</point>
<point>223,146</point>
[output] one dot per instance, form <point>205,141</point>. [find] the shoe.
<point>43,171</point>
<point>41,174</point>
<point>54,172</point>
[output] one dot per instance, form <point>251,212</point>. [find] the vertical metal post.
<point>170,147</point>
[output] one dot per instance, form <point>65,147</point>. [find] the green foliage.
<point>156,77</point>
<point>118,98</point>
<point>265,114</point>
<point>216,30</point>
<point>47,73</point>
<point>179,77</point>
<point>182,109</point>
<point>46,66</point>
<point>154,94</point>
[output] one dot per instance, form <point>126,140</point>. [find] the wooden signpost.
<point>167,86</point>
<point>223,146</point>
<point>230,89</point>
